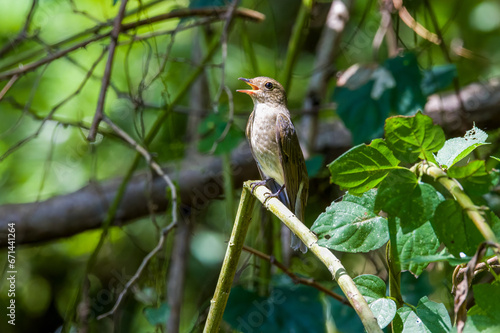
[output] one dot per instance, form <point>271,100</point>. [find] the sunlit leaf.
<point>457,148</point>
<point>474,177</point>
<point>361,168</point>
<point>429,317</point>
<point>351,226</point>
<point>413,137</point>
<point>401,195</point>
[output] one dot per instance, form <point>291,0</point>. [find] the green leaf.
<point>457,148</point>
<point>406,97</point>
<point>363,96</point>
<point>157,316</point>
<point>370,286</point>
<point>413,137</point>
<point>360,169</point>
<point>401,195</point>
<point>351,227</point>
<point>212,130</point>
<point>373,290</point>
<point>381,146</point>
<point>384,310</point>
<point>314,165</point>
<point>421,241</point>
<point>487,297</point>
<point>434,315</point>
<point>455,229</point>
<point>248,312</point>
<point>429,317</point>
<point>438,78</point>
<point>444,255</point>
<point>473,177</point>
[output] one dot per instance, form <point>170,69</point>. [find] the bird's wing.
<point>248,134</point>
<point>293,164</point>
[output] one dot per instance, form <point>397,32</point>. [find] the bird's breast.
<point>264,144</point>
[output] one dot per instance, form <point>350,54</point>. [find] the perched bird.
<point>275,147</point>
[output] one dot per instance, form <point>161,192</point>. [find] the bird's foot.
<point>273,195</point>
<point>254,185</point>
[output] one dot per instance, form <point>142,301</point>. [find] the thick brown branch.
<point>69,214</point>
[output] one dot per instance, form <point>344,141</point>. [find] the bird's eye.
<point>268,85</point>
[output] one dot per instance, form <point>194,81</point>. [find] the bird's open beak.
<point>249,82</point>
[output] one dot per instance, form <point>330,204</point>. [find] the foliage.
<point>403,204</point>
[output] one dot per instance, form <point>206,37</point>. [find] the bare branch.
<point>295,278</point>
<point>115,33</point>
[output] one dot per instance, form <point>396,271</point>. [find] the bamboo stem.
<point>324,255</point>
<point>230,264</point>
<point>463,199</point>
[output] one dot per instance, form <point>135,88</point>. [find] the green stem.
<point>110,215</point>
<point>296,39</point>
<point>324,255</point>
<point>463,199</point>
<point>230,264</point>
<point>228,185</point>
<point>394,263</point>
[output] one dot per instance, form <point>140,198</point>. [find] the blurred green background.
<point>44,159</point>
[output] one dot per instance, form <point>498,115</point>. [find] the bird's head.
<point>265,90</point>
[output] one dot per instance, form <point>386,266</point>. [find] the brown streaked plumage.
<point>275,146</point>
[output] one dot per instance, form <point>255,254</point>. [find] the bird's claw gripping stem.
<point>259,183</point>
<point>273,195</point>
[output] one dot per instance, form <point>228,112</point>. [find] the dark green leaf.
<point>430,317</point>
<point>401,195</point>
<point>360,169</point>
<point>248,312</point>
<point>363,101</point>
<point>157,316</point>
<point>438,78</point>
<point>351,227</point>
<point>455,229</point>
<point>413,137</point>
<point>406,97</point>
<point>370,286</point>
<point>421,241</point>
<point>434,315</point>
<point>457,148</point>
<point>487,297</point>
<point>206,3</point>
<point>314,165</point>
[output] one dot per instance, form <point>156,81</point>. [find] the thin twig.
<point>413,24</point>
<point>295,278</point>
<point>115,33</point>
<point>240,12</point>
<point>8,86</point>
<point>165,230</point>
<point>23,34</point>
<point>137,274</point>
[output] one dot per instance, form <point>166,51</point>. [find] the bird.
<point>275,148</point>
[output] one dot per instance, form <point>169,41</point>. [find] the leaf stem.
<point>394,263</point>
